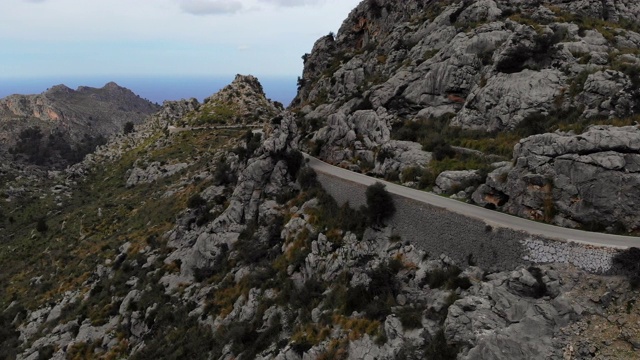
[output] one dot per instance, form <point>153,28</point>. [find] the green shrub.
<point>196,201</point>
<point>128,128</point>
<point>307,178</point>
<point>628,262</point>
<point>410,317</point>
<point>223,175</point>
<point>447,277</point>
<point>540,288</point>
<point>380,204</point>
<point>376,299</point>
<point>46,352</point>
<point>294,160</point>
<point>383,155</point>
<point>439,349</point>
<point>41,225</point>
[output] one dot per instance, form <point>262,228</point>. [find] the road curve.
<point>494,218</point>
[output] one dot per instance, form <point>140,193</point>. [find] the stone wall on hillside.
<point>438,231</point>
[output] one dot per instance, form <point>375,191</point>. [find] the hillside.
<point>218,243</point>
<point>421,92</point>
<point>61,125</point>
<point>203,233</point>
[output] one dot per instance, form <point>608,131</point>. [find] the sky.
<point>102,38</point>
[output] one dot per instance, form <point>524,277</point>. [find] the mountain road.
<point>490,217</point>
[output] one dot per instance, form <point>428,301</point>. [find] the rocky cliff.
<point>66,121</point>
<point>214,242</point>
<point>419,90</point>
<point>572,180</point>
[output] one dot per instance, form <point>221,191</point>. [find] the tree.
<point>42,226</point>
<point>307,178</point>
<point>628,262</point>
<point>128,127</point>
<point>380,204</point>
<point>30,144</point>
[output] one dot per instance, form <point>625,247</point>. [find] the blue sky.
<point>76,38</point>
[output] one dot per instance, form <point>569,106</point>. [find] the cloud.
<point>292,3</point>
<point>35,1</point>
<point>243,47</point>
<point>209,7</point>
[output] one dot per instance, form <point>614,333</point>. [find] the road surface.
<point>491,217</point>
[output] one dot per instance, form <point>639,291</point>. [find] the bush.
<point>540,288</point>
<point>377,299</point>
<point>41,225</point>
<point>448,278</point>
<point>196,201</point>
<point>294,160</point>
<point>307,178</point>
<point>128,127</point>
<point>410,317</point>
<point>380,204</point>
<point>439,349</point>
<point>628,262</point>
<point>223,175</point>
<point>383,155</point>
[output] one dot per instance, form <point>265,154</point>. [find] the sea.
<point>155,89</point>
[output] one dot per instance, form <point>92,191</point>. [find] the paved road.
<point>493,218</point>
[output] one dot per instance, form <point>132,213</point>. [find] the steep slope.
<point>219,243</point>
<point>55,126</point>
<point>419,91</point>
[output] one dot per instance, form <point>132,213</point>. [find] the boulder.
<point>590,179</point>
<point>451,182</point>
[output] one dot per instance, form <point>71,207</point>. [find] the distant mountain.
<point>61,125</point>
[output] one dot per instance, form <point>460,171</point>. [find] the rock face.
<point>587,180</point>
<point>489,64</point>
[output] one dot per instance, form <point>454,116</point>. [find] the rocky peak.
<point>111,85</point>
<point>59,89</point>
<point>241,102</point>
<point>242,88</point>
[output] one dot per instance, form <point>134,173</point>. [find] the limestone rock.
<point>507,99</point>
<point>608,93</point>
<point>589,178</point>
<point>153,172</point>
<point>450,182</point>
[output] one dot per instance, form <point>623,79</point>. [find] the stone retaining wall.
<point>438,231</point>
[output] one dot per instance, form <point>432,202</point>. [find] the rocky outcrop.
<point>241,102</point>
<point>454,182</point>
<point>585,180</point>
<point>492,64</point>
<point>152,172</point>
<point>508,99</point>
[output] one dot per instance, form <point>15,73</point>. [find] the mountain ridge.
<point>60,119</point>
